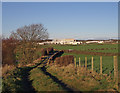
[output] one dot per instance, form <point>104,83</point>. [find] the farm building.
<point>94,42</point>
<point>65,41</point>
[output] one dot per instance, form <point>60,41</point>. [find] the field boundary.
<point>91,53</point>
<point>115,64</point>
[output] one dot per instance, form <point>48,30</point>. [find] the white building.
<point>65,41</point>
<point>94,42</point>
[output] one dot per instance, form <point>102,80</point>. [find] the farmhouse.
<point>65,41</point>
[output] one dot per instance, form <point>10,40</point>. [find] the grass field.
<point>106,48</point>
<point>107,62</point>
<point>53,78</point>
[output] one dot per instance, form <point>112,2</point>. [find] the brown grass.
<point>64,60</point>
<point>6,69</point>
<point>79,78</point>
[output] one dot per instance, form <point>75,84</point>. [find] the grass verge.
<point>82,80</point>
<point>42,82</point>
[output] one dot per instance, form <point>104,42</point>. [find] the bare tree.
<point>28,35</point>
<point>31,32</point>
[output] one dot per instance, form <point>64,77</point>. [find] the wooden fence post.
<point>116,71</point>
<point>75,61</point>
<point>92,64</point>
<point>86,63</point>
<point>100,64</point>
<point>79,62</point>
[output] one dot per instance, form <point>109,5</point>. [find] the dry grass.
<point>6,69</point>
<point>81,79</point>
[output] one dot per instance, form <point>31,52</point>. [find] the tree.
<point>31,32</point>
<point>8,55</point>
<point>28,35</point>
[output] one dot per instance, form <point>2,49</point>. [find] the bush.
<point>8,55</point>
<point>46,51</point>
<point>43,51</point>
<point>64,60</point>
<point>49,50</point>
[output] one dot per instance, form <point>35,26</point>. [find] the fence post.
<point>92,64</point>
<point>86,63</point>
<point>116,71</point>
<point>100,64</point>
<point>75,61</point>
<point>79,62</point>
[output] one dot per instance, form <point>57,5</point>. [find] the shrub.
<point>43,51</point>
<point>7,68</point>
<point>64,60</point>
<point>46,51</point>
<point>8,55</point>
<point>36,56</point>
<point>49,50</point>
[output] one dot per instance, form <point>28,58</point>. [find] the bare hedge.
<point>46,51</point>
<point>64,60</point>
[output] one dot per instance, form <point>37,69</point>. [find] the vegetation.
<point>31,32</point>
<point>25,69</point>
<point>107,62</point>
<point>28,35</point>
<point>43,82</point>
<point>80,79</point>
<point>64,60</point>
<point>26,54</point>
<point>106,48</point>
<point>10,79</point>
<point>8,55</point>
<point>46,51</point>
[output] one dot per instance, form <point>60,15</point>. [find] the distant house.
<point>94,42</point>
<point>65,41</point>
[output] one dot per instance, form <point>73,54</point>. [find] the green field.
<point>111,48</point>
<point>107,60</point>
<point>37,78</point>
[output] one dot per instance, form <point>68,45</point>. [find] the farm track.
<point>27,84</point>
<point>55,79</point>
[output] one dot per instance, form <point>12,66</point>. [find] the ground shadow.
<point>25,83</point>
<point>55,79</point>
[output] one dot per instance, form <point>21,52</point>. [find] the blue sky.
<point>79,20</point>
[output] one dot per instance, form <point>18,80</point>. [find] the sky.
<point>79,20</point>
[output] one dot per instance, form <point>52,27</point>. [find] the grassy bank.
<point>43,82</point>
<point>82,80</point>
